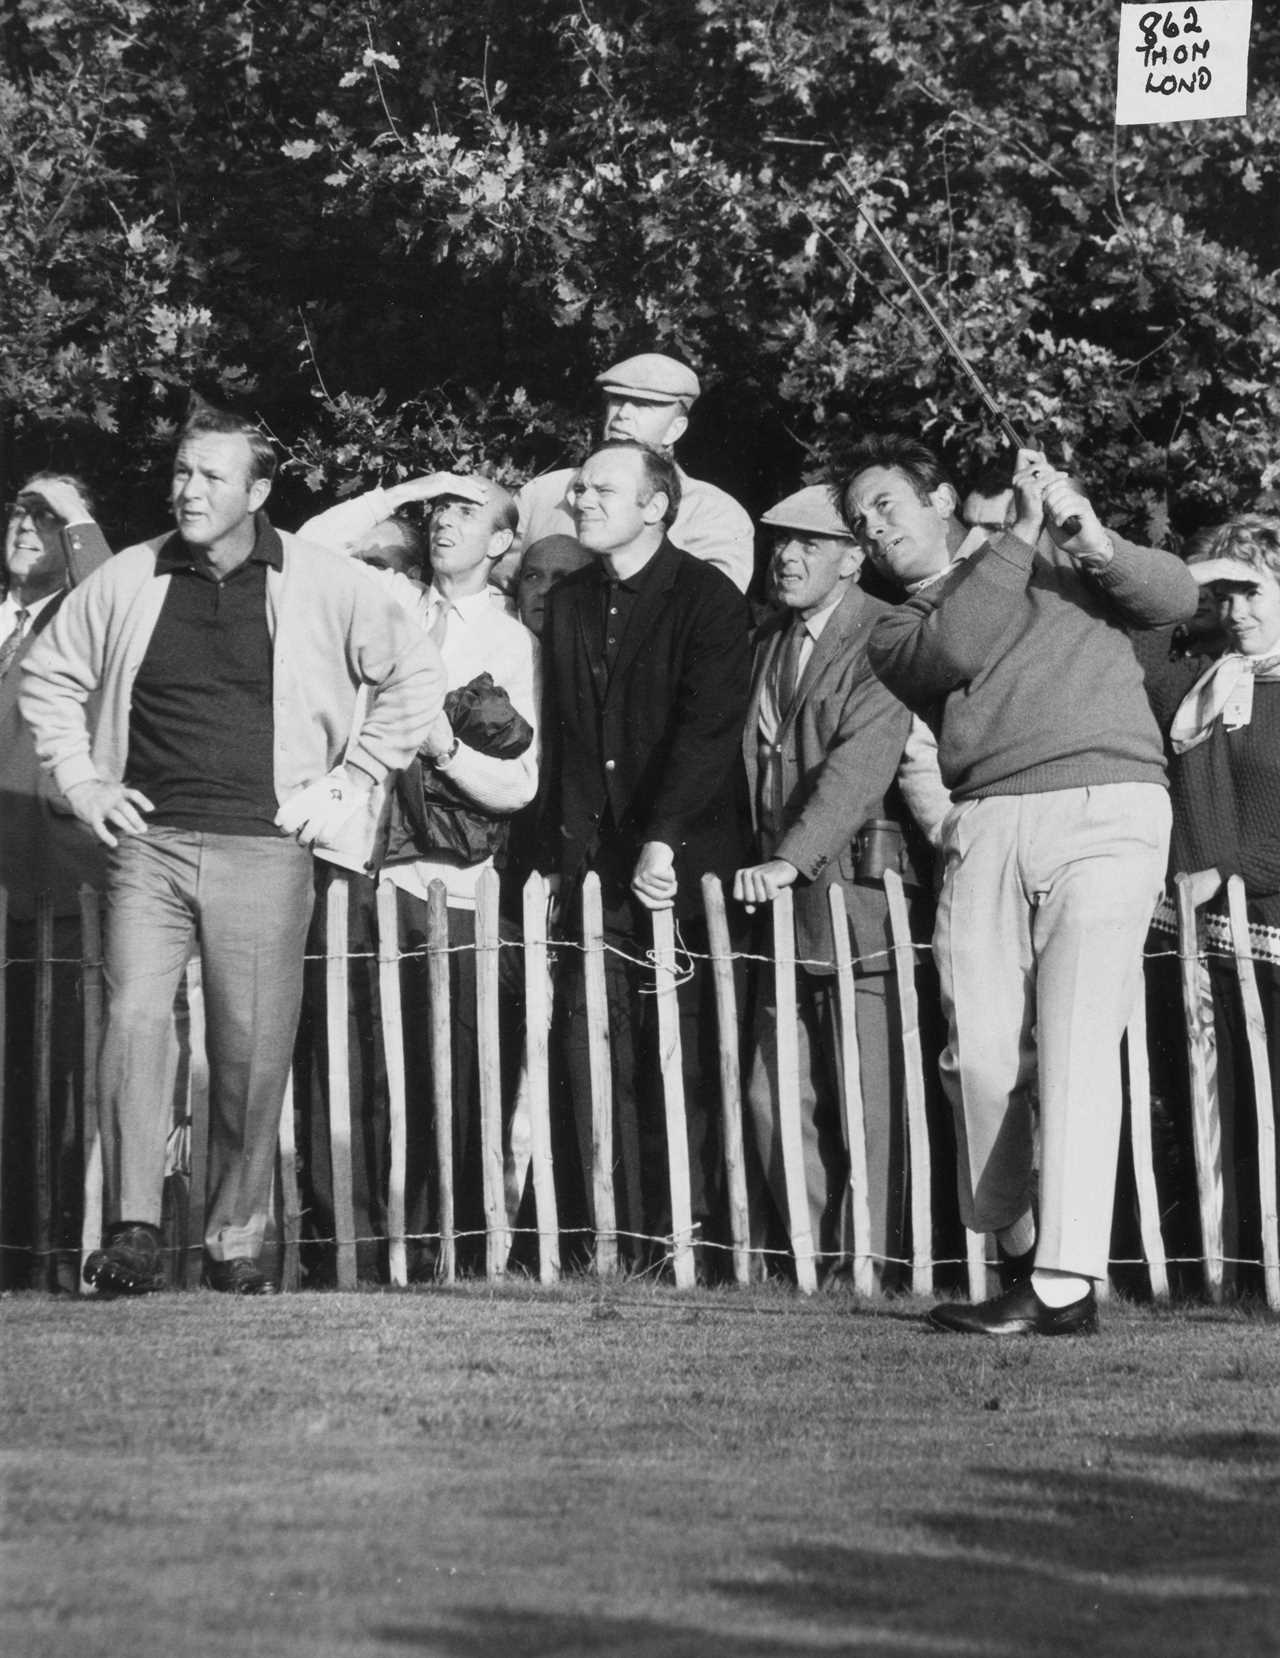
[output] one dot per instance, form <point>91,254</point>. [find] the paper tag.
<point>1183,63</point>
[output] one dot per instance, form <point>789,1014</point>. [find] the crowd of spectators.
<point>987,693</point>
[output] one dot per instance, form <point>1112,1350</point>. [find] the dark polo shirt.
<point>618,602</point>
<point>201,728</point>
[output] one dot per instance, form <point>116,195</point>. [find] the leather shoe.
<point>1018,1312</point>
<point>240,1276</point>
<point>129,1262</point>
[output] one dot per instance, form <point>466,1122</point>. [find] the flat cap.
<point>656,378</point>
<point>812,510</point>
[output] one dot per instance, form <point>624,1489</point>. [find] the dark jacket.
<point>431,817</point>
<point>651,751</point>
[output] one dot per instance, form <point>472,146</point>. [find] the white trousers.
<point>1045,906</point>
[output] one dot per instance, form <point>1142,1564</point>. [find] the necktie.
<point>9,647</point>
<point>789,664</point>
<point>439,623</point>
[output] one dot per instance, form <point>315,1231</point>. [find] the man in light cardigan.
<point>222,664</point>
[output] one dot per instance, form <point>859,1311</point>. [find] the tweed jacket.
<point>652,749</point>
<point>834,761</point>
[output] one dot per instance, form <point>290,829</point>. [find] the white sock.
<point>1020,1237</point>
<point>1059,1289</point>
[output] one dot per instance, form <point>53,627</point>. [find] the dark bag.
<point>436,820</point>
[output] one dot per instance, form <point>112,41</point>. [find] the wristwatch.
<point>442,761</point>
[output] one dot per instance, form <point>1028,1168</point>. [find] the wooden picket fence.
<point>536,1091</point>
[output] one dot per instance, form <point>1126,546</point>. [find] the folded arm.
<point>497,785</point>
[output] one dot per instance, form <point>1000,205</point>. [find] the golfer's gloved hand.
<point>318,810</point>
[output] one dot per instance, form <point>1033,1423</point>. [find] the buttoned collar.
<point>173,553</point>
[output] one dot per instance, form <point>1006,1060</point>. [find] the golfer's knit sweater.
<point>1022,663</point>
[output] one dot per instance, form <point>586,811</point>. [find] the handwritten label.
<point>1183,63</point>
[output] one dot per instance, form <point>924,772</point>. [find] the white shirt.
<point>481,636</point>
<point>812,629</point>
<point>9,608</point>
<point>339,528</point>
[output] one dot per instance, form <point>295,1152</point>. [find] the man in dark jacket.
<point>646,663</point>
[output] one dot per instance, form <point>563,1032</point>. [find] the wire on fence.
<point>670,964</point>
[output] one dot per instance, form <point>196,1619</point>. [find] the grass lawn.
<point>631,1473</point>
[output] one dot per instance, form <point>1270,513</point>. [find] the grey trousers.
<point>822,1129</point>
<point>245,901</point>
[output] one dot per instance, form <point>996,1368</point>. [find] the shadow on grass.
<point>1162,1547</point>
<point>516,1634</point>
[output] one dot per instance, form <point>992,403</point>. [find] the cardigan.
<point>331,630</point>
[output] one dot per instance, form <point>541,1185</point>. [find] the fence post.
<point>904,963</point>
<point>537,1026</point>
<point>1256,1029</point>
<point>730,1075</point>
<point>442,1068</point>
<point>4,1019</point>
<point>392,1012</point>
<point>290,1197</point>
<point>664,952</point>
<point>850,1072</point>
<point>43,1101</point>
<point>496,1234</point>
<point>604,1214</point>
<point>1197,1004</point>
<point>198,1113</point>
<point>787,1047</point>
<point>1140,1145</point>
<point>975,1257</point>
<point>337,905</point>
<point>91,952</point>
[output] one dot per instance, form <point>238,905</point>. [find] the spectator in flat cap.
<point>647,400</point>
<point>823,744</point>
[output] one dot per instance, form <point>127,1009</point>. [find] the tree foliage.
<point>408,235</point>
